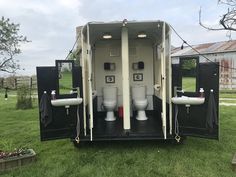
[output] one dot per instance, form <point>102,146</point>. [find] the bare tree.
<point>227,20</point>
<point>10,42</point>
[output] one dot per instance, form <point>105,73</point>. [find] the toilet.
<point>140,101</point>
<point>110,102</point>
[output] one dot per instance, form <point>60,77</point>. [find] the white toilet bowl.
<point>140,101</point>
<point>110,102</point>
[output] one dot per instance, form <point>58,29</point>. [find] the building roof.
<point>208,48</point>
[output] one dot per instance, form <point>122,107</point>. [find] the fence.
<point>16,82</point>
<point>13,83</point>
<point>227,81</point>
<point>29,81</point>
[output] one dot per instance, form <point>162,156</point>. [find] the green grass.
<point>65,83</point>
<point>227,95</point>
<point>227,91</point>
<point>196,157</point>
<point>228,101</point>
<point>189,84</point>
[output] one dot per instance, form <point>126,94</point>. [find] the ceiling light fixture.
<point>107,36</point>
<point>142,35</point>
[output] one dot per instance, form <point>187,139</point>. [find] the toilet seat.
<point>109,102</point>
<point>140,102</point>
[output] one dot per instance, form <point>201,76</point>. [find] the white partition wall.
<point>125,74</point>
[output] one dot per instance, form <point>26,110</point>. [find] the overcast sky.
<point>50,24</point>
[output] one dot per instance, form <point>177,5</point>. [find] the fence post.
<point>2,83</point>
<point>31,87</point>
<point>6,94</point>
<point>16,83</point>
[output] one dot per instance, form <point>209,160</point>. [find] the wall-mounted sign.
<point>109,79</point>
<point>138,77</point>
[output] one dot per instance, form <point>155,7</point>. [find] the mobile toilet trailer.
<point>126,55</point>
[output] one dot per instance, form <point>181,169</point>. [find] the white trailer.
<point>128,89</point>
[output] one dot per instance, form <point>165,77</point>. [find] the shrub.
<point>24,100</point>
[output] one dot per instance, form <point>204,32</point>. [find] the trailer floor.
<point>139,129</point>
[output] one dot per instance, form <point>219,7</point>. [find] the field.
<point>65,83</point>
<point>189,84</point>
<point>196,157</point>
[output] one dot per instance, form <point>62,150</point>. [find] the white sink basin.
<point>66,101</point>
<point>185,100</point>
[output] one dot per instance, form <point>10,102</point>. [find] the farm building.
<point>222,52</point>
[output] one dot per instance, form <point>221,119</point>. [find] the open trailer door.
<point>160,80</point>
<point>198,120</point>
<point>163,80</point>
<point>58,122</point>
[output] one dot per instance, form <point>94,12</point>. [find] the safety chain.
<point>177,137</point>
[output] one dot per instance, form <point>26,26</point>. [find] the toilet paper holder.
<point>157,87</point>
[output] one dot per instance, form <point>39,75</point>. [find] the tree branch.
<point>227,21</point>
<point>4,62</point>
<point>8,71</point>
<point>10,42</point>
<point>204,26</point>
<point>227,2</point>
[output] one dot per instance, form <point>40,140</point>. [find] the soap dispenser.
<point>53,94</point>
<point>201,92</point>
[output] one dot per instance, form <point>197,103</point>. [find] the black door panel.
<point>62,125</point>
<point>192,122</point>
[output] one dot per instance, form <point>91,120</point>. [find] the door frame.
<point>163,80</point>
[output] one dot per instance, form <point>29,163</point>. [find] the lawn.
<point>196,157</point>
<point>189,84</point>
<point>228,95</point>
<point>65,83</point>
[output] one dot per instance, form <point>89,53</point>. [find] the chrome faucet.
<point>75,90</point>
<point>176,90</point>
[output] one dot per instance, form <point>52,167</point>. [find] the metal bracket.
<point>177,138</point>
<point>77,140</point>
